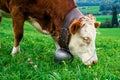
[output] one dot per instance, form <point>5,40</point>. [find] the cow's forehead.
<point>87,20</point>
<point>88,30</point>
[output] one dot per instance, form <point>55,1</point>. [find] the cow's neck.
<point>64,36</point>
<point>72,15</point>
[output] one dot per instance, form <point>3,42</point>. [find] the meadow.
<point>36,60</point>
<point>89,9</point>
<point>95,10</point>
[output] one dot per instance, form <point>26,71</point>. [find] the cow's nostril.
<point>95,61</point>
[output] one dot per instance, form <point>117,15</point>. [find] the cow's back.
<point>49,14</point>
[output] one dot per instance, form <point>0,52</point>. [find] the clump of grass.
<point>36,60</point>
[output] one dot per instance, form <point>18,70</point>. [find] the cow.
<point>70,29</point>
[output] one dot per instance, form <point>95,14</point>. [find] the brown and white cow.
<point>61,19</point>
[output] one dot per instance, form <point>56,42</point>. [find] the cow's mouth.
<point>89,60</point>
<point>63,55</point>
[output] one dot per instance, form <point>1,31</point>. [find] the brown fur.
<point>97,24</point>
<point>49,14</point>
<point>75,26</point>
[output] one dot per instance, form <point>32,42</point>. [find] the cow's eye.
<point>86,40</point>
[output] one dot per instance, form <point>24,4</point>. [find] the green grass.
<point>40,49</point>
<point>102,18</point>
<point>89,9</point>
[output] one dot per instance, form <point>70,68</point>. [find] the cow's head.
<point>82,42</point>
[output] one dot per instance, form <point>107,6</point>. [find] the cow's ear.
<point>97,24</point>
<point>75,26</point>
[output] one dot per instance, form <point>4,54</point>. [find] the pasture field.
<point>89,9</point>
<point>102,18</point>
<point>95,10</point>
<point>36,60</point>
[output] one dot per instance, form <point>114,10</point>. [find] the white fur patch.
<point>15,50</point>
<point>37,25</point>
<point>57,45</point>
<point>56,42</point>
